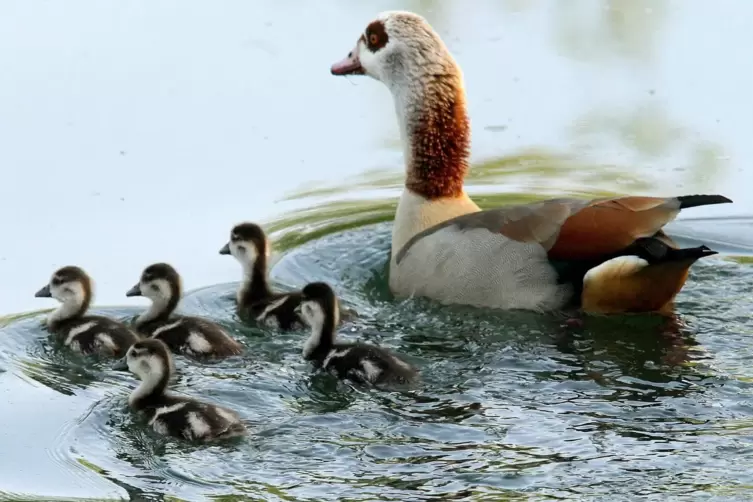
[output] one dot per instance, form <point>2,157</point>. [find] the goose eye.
<point>376,36</point>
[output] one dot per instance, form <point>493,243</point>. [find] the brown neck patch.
<point>440,140</point>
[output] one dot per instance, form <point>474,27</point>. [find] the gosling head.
<point>159,282</point>
<point>148,359</point>
<point>318,305</point>
<point>68,285</point>
<point>247,243</point>
<point>398,48</point>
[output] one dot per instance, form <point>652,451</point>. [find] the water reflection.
<point>507,399</point>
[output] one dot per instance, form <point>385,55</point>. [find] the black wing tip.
<point>704,251</point>
<point>687,201</point>
<point>694,253</point>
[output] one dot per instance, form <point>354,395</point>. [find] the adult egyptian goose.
<point>604,255</point>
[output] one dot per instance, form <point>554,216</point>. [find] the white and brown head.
<point>148,359</point>
<point>396,48</point>
<point>320,310</point>
<point>247,244</point>
<point>72,287</point>
<point>160,283</point>
<point>401,50</point>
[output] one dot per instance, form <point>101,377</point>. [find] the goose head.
<point>159,282</point>
<point>247,243</point>
<point>401,50</point>
<point>397,48</point>
<point>69,285</point>
<point>318,307</point>
<point>149,360</point>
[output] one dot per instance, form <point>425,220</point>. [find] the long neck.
<point>254,286</point>
<point>151,387</point>
<point>160,309</point>
<point>74,307</point>
<point>435,132</point>
<point>321,340</point>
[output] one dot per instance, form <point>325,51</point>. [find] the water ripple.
<point>510,404</point>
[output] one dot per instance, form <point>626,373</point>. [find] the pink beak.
<point>351,65</point>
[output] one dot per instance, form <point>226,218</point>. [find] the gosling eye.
<point>154,287</point>
<point>242,249</point>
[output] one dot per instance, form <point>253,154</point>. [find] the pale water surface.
<point>134,132</point>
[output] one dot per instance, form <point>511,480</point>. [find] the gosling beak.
<point>225,249</point>
<point>120,365</point>
<point>350,65</point>
<point>44,292</point>
<point>297,310</point>
<point>134,291</point>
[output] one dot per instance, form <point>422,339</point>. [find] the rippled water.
<point>125,128</point>
<point>510,403</point>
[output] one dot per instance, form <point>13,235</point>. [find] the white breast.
<point>479,268</point>
<point>415,214</point>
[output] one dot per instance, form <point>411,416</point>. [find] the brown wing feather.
<point>607,226</point>
<point>576,228</point>
<point>539,222</point>
<point>582,229</point>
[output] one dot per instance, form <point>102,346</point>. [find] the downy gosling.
<point>87,334</point>
<point>249,245</point>
<point>169,414</point>
<point>359,362</point>
<point>189,335</point>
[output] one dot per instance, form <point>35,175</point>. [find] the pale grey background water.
<point>134,132</point>
<point>137,131</point>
